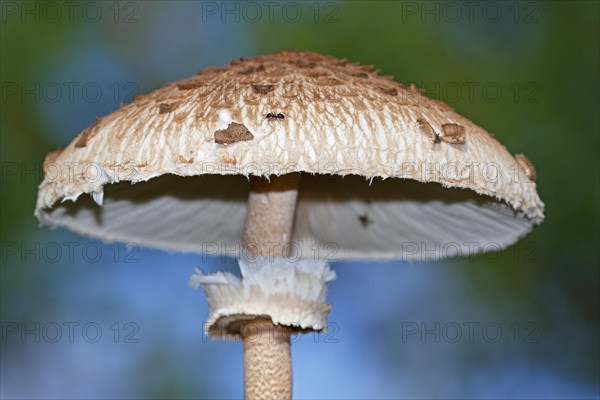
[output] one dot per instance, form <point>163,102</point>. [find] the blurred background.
<point>85,319</point>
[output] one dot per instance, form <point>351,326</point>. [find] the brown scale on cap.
<point>51,157</point>
<point>234,133</point>
<point>88,134</point>
<point>263,89</point>
<point>236,62</point>
<point>453,134</point>
<point>389,90</point>
<point>428,130</point>
<point>303,64</point>
<point>231,160</point>
<point>190,85</point>
<point>318,74</point>
<point>164,108</point>
<point>526,166</point>
<point>184,160</point>
<point>328,81</point>
<point>252,70</point>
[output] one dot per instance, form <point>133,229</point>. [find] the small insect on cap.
<point>372,184</point>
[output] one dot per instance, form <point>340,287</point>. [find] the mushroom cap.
<point>377,182</point>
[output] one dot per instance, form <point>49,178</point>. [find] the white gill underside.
<point>347,217</point>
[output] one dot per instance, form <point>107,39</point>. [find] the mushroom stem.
<point>270,218</point>
<point>267,360</point>
<point>269,223</point>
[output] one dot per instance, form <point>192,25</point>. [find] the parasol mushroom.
<point>285,161</point>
